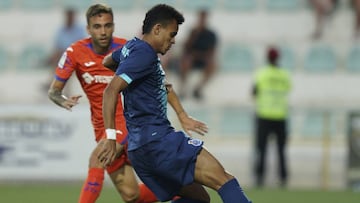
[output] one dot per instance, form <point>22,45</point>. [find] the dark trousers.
<point>265,128</point>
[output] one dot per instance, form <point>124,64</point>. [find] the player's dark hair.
<point>162,14</point>
<point>97,9</point>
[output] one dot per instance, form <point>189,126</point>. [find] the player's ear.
<point>157,28</point>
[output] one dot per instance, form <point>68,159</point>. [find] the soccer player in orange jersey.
<point>84,57</point>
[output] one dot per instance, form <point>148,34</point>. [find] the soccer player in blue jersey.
<point>169,162</point>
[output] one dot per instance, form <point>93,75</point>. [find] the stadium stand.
<point>121,5</point>
<point>4,59</point>
<point>283,5</point>
<point>199,4</point>
<point>288,58</point>
<point>37,5</point>
<point>240,5</point>
<point>236,57</point>
<point>317,122</point>
<point>235,121</point>
<point>353,59</point>
<point>80,5</point>
<point>6,4</point>
<point>31,58</point>
<point>149,3</point>
<point>320,58</point>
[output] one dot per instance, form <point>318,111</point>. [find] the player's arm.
<point>55,94</point>
<point>110,63</point>
<point>188,123</point>
<point>107,153</point>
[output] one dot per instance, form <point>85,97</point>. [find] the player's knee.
<point>129,195</point>
<point>94,162</point>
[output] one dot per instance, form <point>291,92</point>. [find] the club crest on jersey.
<point>62,60</point>
<point>195,142</point>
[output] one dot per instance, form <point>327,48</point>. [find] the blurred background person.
<point>199,52</point>
<point>323,9</point>
<point>270,91</point>
<point>355,4</point>
<point>67,33</point>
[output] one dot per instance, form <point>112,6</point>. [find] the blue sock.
<point>186,200</point>
<point>231,192</point>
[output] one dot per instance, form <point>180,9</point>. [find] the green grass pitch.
<point>61,193</point>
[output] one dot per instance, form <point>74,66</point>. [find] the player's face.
<point>101,28</point>
<point>167,37</point>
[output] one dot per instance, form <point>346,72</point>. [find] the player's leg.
<point>262,131</point>
<point>126,184</point>
<point>208,71</point>
<point>124,179</point>
<point>185,68</point>
<point>193,193</point>
<point>210,172</point>
<point>94,182</point>
<point>281,138</point>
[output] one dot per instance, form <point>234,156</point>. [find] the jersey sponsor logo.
<point>90,63</point>
<point>88,78</point>
<point>195,142</point>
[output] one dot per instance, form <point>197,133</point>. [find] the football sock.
<point>231,192</point>
<point>146,196</point>
<point>186,200</point>
<point>92,186</point>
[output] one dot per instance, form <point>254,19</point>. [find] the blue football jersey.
<point>145,99</point>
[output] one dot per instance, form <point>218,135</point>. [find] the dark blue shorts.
<point>168,164</point>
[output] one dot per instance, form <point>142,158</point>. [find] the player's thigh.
<point>125,181</point>
<point>195,191</point>
<point>209,171</point>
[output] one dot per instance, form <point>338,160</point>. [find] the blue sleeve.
<point>137,64</point>
<point>116,55</point>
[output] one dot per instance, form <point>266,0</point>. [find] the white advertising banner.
<point>44,142</point>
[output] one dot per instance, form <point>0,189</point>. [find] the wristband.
<point>110,134</point>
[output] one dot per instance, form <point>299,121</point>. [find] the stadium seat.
<point>236,121</point>
<point>237,57</point>
<point>353,59</point>
<point>240,5</point>
<point>202,114</point>
<point>287,59</point>
<point>199,4</point>
<point>150,3</point>
<point>4,59</point>
<point>318,122</point>
<point>6,4</point>
<point>123,5</point>
<point>320,59</point>
<point>283,5</point>
<point>81,5</point>
<point>32,57</point>
<point>36,4</point>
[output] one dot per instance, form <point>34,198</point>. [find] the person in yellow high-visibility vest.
<point>270,91</point>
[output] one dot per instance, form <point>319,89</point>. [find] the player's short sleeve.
<point>66,65</point>
<point>116,55</point>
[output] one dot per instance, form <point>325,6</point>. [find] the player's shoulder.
<point>80,44</point>
<point>140,45</point>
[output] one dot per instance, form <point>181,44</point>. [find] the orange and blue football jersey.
<point>93,77</point>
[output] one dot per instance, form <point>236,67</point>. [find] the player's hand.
<point>71,101</point>
<point>108,152</point>
<point>190,125</point>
